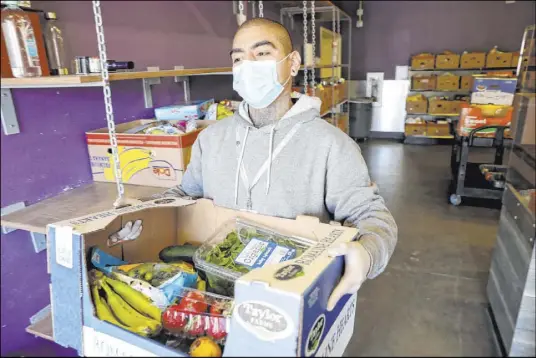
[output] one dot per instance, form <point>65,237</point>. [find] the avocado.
<point>178,253</point>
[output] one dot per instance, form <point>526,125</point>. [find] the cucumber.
<point>178,253</point>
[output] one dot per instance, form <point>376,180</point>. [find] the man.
<point>280,159</point>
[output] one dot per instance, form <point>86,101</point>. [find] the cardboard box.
<point>473,60</point>
<point>183,111</point>
<point>475,116</point>
<point>515,59</point>
<point>448,83</point>
<point>423,62</point>
<point>456,106</point>
<point>343,122</point>
<point>417,106</point>
<point>280,309</point>
<point>146,159</point>
<point>447,61</point>
<point>437,130</point>
<point>412,129</point>
<point>493,90</point>
<point>439,106</point>
<point>499,60</point>
<point>466,82</point>
<point>423,83</point>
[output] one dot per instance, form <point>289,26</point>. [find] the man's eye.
<point>236,60</point>
<point>263,53</point>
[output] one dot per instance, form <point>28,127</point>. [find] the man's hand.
<point>357,265</point>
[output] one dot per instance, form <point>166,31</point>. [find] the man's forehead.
<point>254,34</point>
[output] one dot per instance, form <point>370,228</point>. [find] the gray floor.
<point>431,299</point>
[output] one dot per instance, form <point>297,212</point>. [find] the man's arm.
<point>351,197</point>
<point>191,185</point>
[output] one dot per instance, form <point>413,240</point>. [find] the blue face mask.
<point>256,82</point>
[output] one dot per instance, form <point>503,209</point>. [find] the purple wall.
<point>50,155</point>
<point>395,30</point>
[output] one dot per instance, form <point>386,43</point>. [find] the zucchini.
<point>178,253</point>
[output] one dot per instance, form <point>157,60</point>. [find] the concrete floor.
<point>431,299</point>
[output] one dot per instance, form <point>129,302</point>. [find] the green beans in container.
<point>240,246</point>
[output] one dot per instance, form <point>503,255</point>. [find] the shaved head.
<point>281,33</point>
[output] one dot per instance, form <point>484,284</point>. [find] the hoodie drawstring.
<point>270,158</point>
<point>240,163</point>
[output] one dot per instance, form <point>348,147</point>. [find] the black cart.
<point>467,177</point>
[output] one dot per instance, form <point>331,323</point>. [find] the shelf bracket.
<point>10,123</point>
<point>147,89</point>
<point>39,241</point>
<point>185,83</point>
<point>11,209</point>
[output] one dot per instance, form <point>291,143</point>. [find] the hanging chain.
<point>108,98</point>
<point>333,28</point>
<point>241,7</point>
<point>261,8</point>
<point>313,41</point>
<point>305,71</point>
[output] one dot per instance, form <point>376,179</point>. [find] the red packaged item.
<point>476,116</point>
<point>197,314</point>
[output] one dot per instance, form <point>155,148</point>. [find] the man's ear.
<point>295,58</point>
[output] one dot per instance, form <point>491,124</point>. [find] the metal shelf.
<point>472,70</point>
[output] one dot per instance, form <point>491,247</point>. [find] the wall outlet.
<point>375,87</point>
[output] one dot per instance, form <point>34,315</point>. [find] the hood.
<point>305,109</point>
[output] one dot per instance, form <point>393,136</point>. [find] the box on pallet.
<point>417,104</point>
<point>414,129</point>
<point>146,159</point>
<point>183,111</point>
<point>423,83</point>
<point>279,309</point>
<point>475,116</point>
<point>493,90</point>
<point>447,60</point>
<point>448,82</point>
<point>497,59</point>
<point>423,61</point>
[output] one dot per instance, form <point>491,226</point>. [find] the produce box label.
<point>98,344</point>
<point>258,253</point>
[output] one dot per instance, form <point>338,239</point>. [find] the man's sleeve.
<point>192,181</point>
<point>353,199</point>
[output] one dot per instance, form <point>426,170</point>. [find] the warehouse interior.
<point>438,95</point>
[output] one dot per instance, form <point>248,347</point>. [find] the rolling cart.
<point>467,177</point>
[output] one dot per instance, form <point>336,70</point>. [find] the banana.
<point>136,299</point>
<point>125,158</point>
<point>135,166</point>
<point>126,314</point>
<point>105,314</point>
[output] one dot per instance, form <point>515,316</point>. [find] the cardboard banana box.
<point>279,309</point>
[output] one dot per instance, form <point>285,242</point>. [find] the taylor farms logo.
<point>313,339</point>
<point>289,272</point>
<point>265,321</point>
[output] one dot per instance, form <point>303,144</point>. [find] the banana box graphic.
<point>145,159</point>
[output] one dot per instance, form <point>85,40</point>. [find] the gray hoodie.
<point>300,165</point>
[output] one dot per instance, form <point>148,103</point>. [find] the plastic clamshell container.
<point>198,314</point>
<point>221,277</point>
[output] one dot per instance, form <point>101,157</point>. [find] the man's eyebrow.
<point>262,43</point>
<point>235,50</point>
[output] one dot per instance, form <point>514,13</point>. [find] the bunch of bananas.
<point>132,160</point>
<point>119,304</point>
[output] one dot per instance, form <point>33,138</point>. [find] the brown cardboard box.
<point>515,59</point>
<point>423,62</point>
<point>448,83</point>
<point>417,107</point>
<point>499,60</point>
<point>456,106</point>
<point>439,106</point>
<point>473,60</point>
<point>435,129</point>
<point>466,82</point>
<point>447,61</point>
<point>146,159</point>
<point>415,129</point>
<point>423,83</point>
